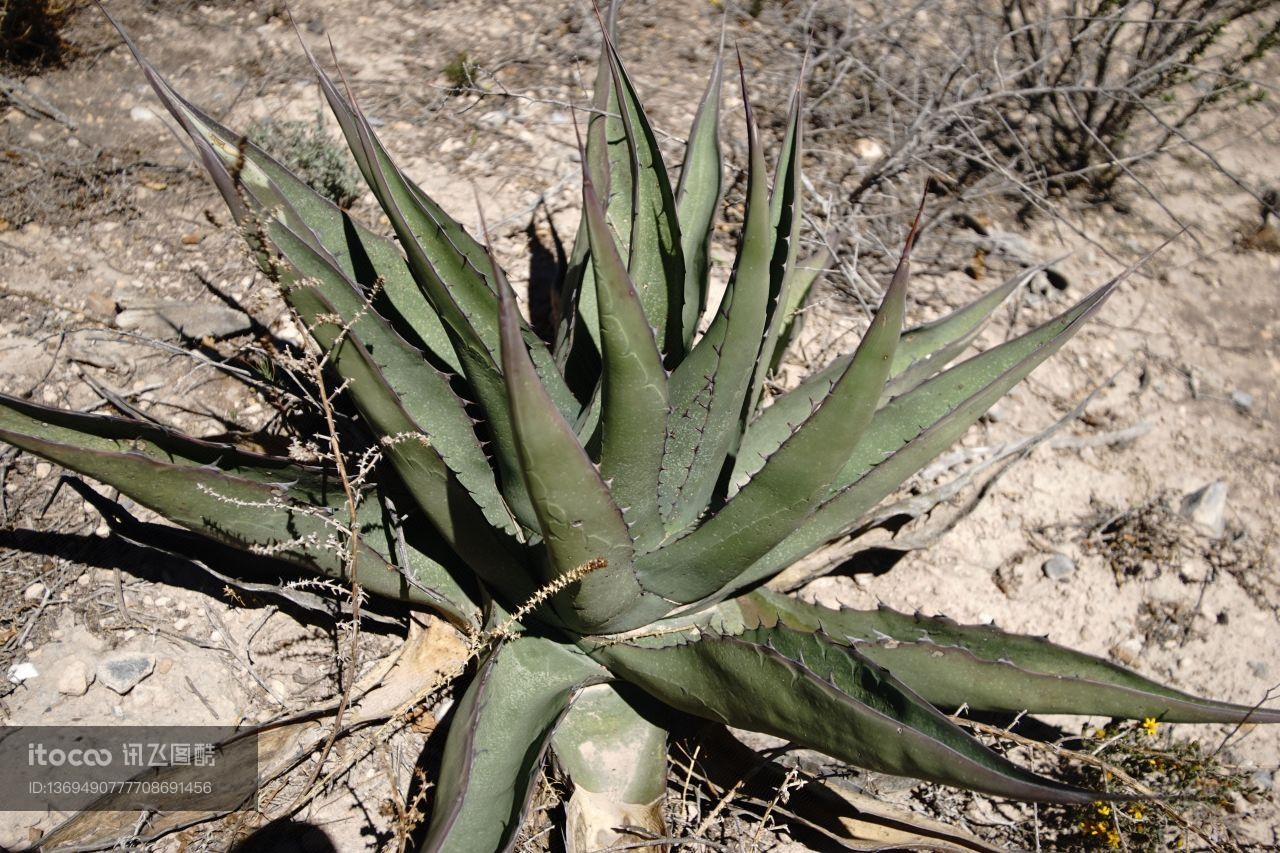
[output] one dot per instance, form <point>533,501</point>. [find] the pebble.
<point>168,320</point>
<point>1059,567</point>
<point>123,672</point>
<point>35,592</point>
<point>43,469</point>
<point>75,678</point>
<point>1128,652</point>
<point>1242,400</point>
<point>1207,507</point>
<point>21,672</point>
<point>867,149</point>
<point>141,113</point>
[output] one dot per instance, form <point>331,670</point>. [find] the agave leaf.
<point>795,478</point>
<point>709,388</point>
<point>916,427</point>
<point>448,264</point>
<point>830,805</point>
<point>609,164</point>
<point>928,348</point>
<point>987,669</point>
<point>497,739</point>
<point>656,257</point>
<point>361,255</point>
<point>922,352</point>
<point>802,277</point>
<point>698,198</point>
<point>617,762</point>
<point>464,299</point>
<point>404,398</point>
<point>249,501</point>
<point>633,399</point>
<point>825,696</point>
<point>784,211</point>
<point>577,515</point>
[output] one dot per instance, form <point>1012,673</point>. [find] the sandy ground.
<point>116,216</point>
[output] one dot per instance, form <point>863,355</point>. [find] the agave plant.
<point>626,492</point>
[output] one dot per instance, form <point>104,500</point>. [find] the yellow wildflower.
<point>1150,725</point>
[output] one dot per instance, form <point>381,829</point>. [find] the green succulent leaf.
<point>698,198</point>
<point>826,696</point>
<point>927,349</point>
<point>709,387</point>
<point>361,255</point>
<point>986,669</point>
<point>407,401</point>
<point>916,427</point>
<point>656,257</point>
<point>802,277</point>
<point>608,161</point>
<point>634,384</point>
<point>922,352</point>
<point>576,513</point>
<point>459,292</point>
<point>795,478</point>
<point>784,211</point>
<point>497,739</point>
<point>249,501</point>
<point>607,746</point>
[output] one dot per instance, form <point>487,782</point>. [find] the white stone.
<point>21,672</point>
<point>1059,567</point>
<point>1207,507</point>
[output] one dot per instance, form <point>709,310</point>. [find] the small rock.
<point>1059,567</point>
<point>35,592</point>
<point>43,469</point>
<point>1259,669</point>
<point>1242,400</point>
<point>168,320</point>
<point>123,672</point>
<point>75,678</point>
<point>1207,507</point>
<point>21,672</point>
<point>141,113</point>
<point>1128,652</point>
<point>164,666</point>
<point>867,149</point>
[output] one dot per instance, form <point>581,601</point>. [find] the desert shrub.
<point>305,148</point>
<point>460,72</point>
<point>1050,96</point>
